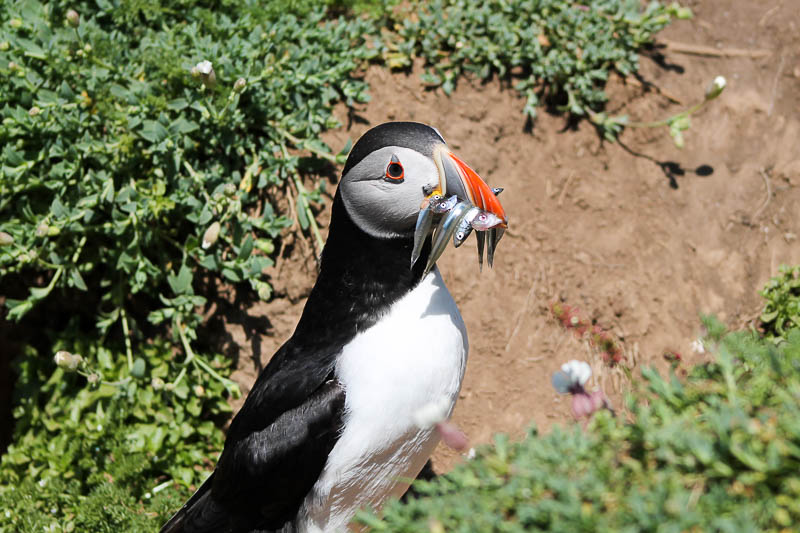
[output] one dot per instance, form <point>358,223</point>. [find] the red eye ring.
<point>394,170</point>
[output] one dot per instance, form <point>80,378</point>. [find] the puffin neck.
<point>360,276</point>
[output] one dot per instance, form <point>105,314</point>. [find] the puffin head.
<point>393,168</point>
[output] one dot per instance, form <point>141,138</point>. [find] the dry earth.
<point>641,236</point>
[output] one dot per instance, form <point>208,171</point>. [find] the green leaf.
<point>139,367</point>
<point>153,131</point>
<point>182,126</point>
<point>302,216</point>
<point>182,283</point>
<point>18,308</point>
<point>178,104</point>
<point>77,280</point>
<point>246,249</point>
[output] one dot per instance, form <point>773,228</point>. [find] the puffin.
<point>331,424</point>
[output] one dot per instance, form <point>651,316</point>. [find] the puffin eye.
<point>394,171</point>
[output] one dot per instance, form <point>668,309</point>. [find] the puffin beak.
<point>457,178</point>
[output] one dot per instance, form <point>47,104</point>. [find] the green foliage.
<point>782,310</point>
<point>132,180</point>
<point>99,441</point>
<point>718,451</point>
<point>116,160</point>
<point>556,50</point>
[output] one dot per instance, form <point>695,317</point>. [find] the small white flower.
<point>716,87</point>
<point>68,361</point>
<point>205,67</point>
<point>471,454</point>
<point>432,413</point>
<point>698,347</point>
<point>572,373</point>
<point>205,70</point>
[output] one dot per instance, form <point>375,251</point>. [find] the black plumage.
<point>414,135</point>
<point>279,441</point>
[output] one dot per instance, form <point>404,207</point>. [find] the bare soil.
<point>640,235</point>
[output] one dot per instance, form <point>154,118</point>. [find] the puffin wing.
<point>265,472</point>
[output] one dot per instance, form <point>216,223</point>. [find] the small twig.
<point>565,187</point>
<point>769,13</point>
<point>700,50</point>
<point>127,337</point>
<point>775,85</point>
<point>660,90</point>
<point>521,315</point>
<point>193,174</point>
<point>312,222</point>
<point>279,261</point>
<point>292,212</point>
<point>769,195</point>
<point>230,385</point>
<point>668,95</point>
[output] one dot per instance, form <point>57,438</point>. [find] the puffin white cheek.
<point>382,209</point>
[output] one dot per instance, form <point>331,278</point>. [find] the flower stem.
<point>127,336</point>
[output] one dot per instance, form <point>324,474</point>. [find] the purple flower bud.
<point>33,111</point>
<point>452,436</point>
<point>5,239</point>
<point>73,19</point>
<point>239,85</point>
<point>582,405</point>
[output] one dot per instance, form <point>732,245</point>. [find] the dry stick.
<point>700,50</point>
<point>660,90</point>
<point>769,195</point>
<point>775,85</point>
<point>521,314</point>
<point>307,248</point>
<point>564,189</point>
<point>292,230</point>
<point>769,13</point>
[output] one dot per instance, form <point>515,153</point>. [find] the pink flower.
<point>571,380</point>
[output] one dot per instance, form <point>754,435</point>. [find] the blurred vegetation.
<point>782,310</point>
<point>556,52</point>
<point>135,179</point>
<point>87,455</point>
<point>716,451</point>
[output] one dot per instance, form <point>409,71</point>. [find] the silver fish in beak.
<point>465,202</point>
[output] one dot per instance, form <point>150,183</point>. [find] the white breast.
<point>415,355</point>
